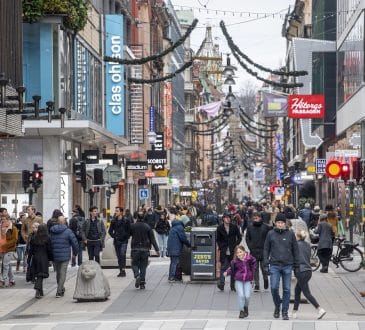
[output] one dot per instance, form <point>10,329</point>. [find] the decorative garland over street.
<point>234,48</point>
<point>169,76</point>
<point>143,60</point>
<point>265,126</point>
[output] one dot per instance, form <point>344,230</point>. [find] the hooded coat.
<point>62,240</point>
<point>177,238</point>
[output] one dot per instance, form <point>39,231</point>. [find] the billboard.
<point>114,75</point>
<point>274,105</point>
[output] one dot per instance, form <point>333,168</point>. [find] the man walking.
<point>281,255</point>
<point>76,224</point>
<point>119,230</point>
<point>255,238</point>
<point>142,239</point>
<point>94,234</point>
<point>228,237</point>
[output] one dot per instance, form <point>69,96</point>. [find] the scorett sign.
<point>306,106</point>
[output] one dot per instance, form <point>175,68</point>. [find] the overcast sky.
<point>259,38</point>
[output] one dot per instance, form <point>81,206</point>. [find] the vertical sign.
<point>152,118</point>
<point>158,146</point>
<point>114,75</point>
<point>168,114</point>
<point>65,209</point>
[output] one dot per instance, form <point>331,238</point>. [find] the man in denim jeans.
<point>281,256</point>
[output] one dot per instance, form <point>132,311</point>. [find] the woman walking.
<point>40,253</point>
<point>162,229</point>
<point>242,269</point>
<point>325,233</point>
<point>304,275</point>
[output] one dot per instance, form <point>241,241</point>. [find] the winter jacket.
<point>281,248</point>
<point>325,233</point>
<point>50,223</point>
<point>304,256</point>
<point>100,229</point>
<point>142,237</point>
<point>163,227</point>
<point>151,218</point>
<point>255,238</point>
<point>11,239</point>
<point>306,215</point>
<point>62,239</point>
<point>242,270</point>
<point>76,225</point>
<point>177,238</point>
<point>227,241</point>
<point>120,230</point>
<point>39,257</point>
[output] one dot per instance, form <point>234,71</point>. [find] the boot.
<point>245,311</point>
<point>17,266</point>
<point>38,294</point>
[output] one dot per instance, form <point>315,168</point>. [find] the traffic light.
<point>345,172</point>
<point>37,177</point>
<point>26,179</point>
<point>80,173</point>
<point>357,170</point>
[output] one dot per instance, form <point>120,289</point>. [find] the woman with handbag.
<point>40,253</point>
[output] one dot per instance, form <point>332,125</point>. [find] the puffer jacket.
<point>176,239</point>
<point>62,240</point>
<point>243,270</point>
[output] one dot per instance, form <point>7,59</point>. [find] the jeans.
<point>224,266</point>
<point>61,269</point>
<point>162,243</point>
<point>256,275</point>
<point>139,264</point>
<point>7,275</point>
<point>303,286</point>
<point>20,251</point>
<point>243,290</point>
<point>285,273</point>
<point>174,260</point>
<point>121,251</point>
<point>79,255</point>
<point>94,249</point>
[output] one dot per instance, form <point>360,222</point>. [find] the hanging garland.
<point>253,132</point>
<point>246,123</point>
<point>169,76</point>
<point>273,126</point>
<point>139,61</point>
<point>269,82</point>
<point>234,48</point>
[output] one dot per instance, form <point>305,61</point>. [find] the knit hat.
<point>280,217</point>
<point>316,209</point>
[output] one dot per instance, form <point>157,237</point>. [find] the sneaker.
<point>321,313</point>
<point>12,283</point>
<point>142,286</point>
<point>256,289</point>
<point>294,315</point>
<point>245,311</point>
<point>58,295</point>
<point>220,286</point>
<point>266,284</point>
<point>138,282</point>
<point>171,280</point>
<point>277,312</point>
<point>285,316</point>
<point>123,273</point>
<point>242,315</point>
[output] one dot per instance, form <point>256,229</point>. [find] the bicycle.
<point>348,255</point>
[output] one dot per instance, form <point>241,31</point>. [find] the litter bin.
<point>203,240</point>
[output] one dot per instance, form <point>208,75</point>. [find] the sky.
<point>258,37</point>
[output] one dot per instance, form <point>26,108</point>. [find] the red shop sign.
<point>306,106</point>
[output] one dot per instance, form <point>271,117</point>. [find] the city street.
<point>179,305</point>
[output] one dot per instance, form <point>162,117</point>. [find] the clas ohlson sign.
<point>114,75</point>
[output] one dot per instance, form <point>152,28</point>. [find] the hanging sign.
<point>306,106</point>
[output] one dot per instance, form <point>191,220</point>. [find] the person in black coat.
<point>142,239</point>
<point>76,225</point>
<point>255,238</point>
<point>228,237</point>
<point>40,254</point>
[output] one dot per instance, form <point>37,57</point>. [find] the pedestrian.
<point>76,224</point>
<point>39,256</point>
<point>8,239</point>
<point>54,219</point>
<point>162,229</point>
<point>62,240</point>
<point>281,255</point>
<point>228,237</point>
<point>255,238</point>
<point>27,224</point>
<point>325,243</point>
<point>242,268</point>
<point>142,239</point>
<point>94,234</point>
<point>304,275</point>
<point>333,221</point>
<point>175,242</point>
<point>21,245</point>
<point>315,217</point>
<point>120,230</point>
<point>306,214</point>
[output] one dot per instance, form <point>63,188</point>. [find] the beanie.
<point>280,217</point>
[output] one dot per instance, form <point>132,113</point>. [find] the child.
<point>242,268</point>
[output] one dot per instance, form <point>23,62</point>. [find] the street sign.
<point>112,174</point>
<point>143,193</point>
<point>321,166</point>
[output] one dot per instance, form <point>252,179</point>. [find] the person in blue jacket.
<point>62,240</point>
<point>177,238</point>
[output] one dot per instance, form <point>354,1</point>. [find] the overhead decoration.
<point>269,126</point>
<point>169,76</point>
<point>143,60</point>
<point>211,109</point>
<point>234,48</point>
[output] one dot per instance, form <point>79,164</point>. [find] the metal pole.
<point>351,211</point>
<point>30,194</point>
<point>363,172</point>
